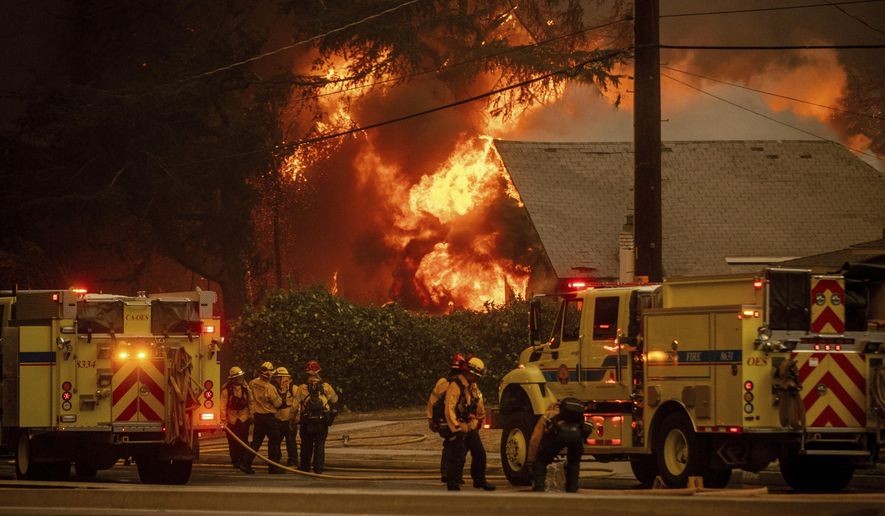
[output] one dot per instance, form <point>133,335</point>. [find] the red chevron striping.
<point>148,412</point>
<point>158,363</point>
<point>123,387</point>
<point>821,286</point>
<point>130,411</point>
<point>806,368</point>
<point>828,316</point>
<point>840,393</point>
<point>851,371</point>
<point>152,386</point>
<point>828,415</point>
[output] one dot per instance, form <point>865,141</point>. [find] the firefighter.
<point>436,416</point>
<point>236,413</point>
<point>265,402</point>
<point>283,382</point>
<point>314,413</point>
<point>561,426</point>
<point>464,414</point>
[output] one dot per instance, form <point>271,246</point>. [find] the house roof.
<point>719,199</point>
<point>866,252</point>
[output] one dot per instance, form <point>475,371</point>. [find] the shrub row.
<point>379,357</point>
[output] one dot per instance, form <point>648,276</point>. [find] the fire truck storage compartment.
<point>701,350</point>
<point>100,316</point>
<point>789,300</point>
<point>175,317</point>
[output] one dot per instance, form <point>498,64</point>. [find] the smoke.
<point>407,213</point>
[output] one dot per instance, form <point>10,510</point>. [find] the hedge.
<point>379,357</point>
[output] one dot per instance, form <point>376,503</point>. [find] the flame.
<point>469,281</point>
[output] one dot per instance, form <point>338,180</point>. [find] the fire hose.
<point>786,386</point>
<point>877,391</point>
<point>347,442</point>
<point>183,400</point>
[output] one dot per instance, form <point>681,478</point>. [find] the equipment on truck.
<point>90,379</point>
<point>697,376</point>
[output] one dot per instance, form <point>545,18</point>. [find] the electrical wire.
<point>290,146</point>
<point>298,43</point>
<point>468,61</point>
<point>852,149</point>
<point>763,9</point>
<point>771,47</point>
<point>794,99</point>
<point>856,18</point>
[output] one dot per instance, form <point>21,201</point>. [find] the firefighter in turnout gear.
<point>314,412</point>
<point>464,414</point>
<point>236,413</point>
<point>265,402</point>
<point>561,426</point>
<point>436,405</point>
<point>283,382</point>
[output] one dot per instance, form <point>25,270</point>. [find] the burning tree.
<point>174,138</point>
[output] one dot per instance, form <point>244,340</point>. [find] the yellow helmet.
<point>235,372</point>
<point>267,367</point>
<point>281,371</point>
<point>476,366</point>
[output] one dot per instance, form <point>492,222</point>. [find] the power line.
<point>293,45</point>
<point>852,149</point>
<point>290,146</point>
<point>762,9</point>
<point>794,99</point>
<point>856,18</point>
<point>772,47</point>
<point>468,61</point>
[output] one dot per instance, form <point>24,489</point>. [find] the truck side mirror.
<point>535,321</point>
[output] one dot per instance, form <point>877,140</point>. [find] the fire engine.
<point>700,376</point>
<point>89,379</point>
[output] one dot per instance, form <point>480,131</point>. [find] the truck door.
<point>558,358</point>
<point>604,365</point>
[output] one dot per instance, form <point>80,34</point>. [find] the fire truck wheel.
<point>679,454</point>
<point>178,472</point>
<point>816,473</point>
<point>25,468</point>
<point>148,470</point>
<point>515,437</point>
<point>645,469</point>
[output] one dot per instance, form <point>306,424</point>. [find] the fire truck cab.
<point>698,376</point>
<point>88,379</point>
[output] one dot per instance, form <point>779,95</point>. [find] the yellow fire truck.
<point>697,376</point>
<point>90,379</point>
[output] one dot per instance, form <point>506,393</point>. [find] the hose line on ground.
<point>605,471</point>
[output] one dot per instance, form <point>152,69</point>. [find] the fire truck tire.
<point>645,469</point>
<point>25,468</point>
<point>178,472</point>
<point>515,436</point>
<point>148,470</point>
<point>678,450</point>
<point>816,473</point>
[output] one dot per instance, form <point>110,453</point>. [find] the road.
<point>402,479</point>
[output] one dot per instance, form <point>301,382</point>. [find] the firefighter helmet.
<point>312,367</point>
<point>281,371</point>
<point>235,372</point>
<point>475,366</point>
<point>458,362</point>
<point>267,367</point>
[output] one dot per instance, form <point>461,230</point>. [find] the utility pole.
<point>647,141</point>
